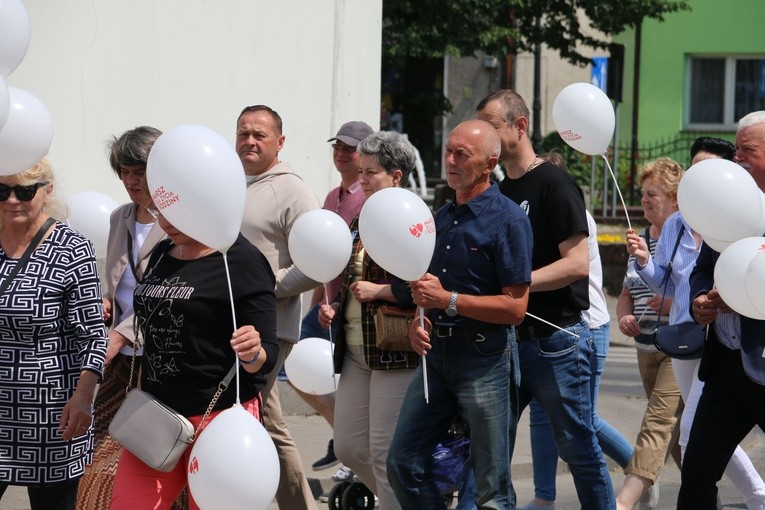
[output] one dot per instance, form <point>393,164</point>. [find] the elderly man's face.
<point>258,142</point>
<point>466,160</point>
<point>750,151</point>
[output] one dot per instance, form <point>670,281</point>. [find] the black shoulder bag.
<point>684,340</point>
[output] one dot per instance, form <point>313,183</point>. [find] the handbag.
<point>681,341</point>
<point>686,339</point>
<point>151,430</point>
<point>392,327</point>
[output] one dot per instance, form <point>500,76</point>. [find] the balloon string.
<point>616,183</point>
<point>331,342</point>
<point>553,325</point>
<point>233,316</point>
<point>424,361</point>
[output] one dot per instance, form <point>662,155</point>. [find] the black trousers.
<point>56,496</point>
<point>729,408</point>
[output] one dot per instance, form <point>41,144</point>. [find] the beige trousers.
<point>294,492</point>
<point>367,405</point>
<point>658,434</point>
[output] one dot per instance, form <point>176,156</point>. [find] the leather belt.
<point>466,333</point>
<point>524,333</point>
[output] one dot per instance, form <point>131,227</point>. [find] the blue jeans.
<point>474,379</point>
<point>543,449</point>
<point>556,370</point>
<point>310,327</point>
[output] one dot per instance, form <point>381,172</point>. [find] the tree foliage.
<point>433,28</point>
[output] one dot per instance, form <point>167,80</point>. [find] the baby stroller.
<point>449,460</point>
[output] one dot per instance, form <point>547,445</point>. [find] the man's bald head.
<point>486,137</point>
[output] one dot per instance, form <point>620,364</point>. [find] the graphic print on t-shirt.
<point>161,328</point>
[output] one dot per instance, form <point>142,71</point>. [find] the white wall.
<point>104,66</point>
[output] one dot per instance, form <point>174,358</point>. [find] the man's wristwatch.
<point>451,311</point>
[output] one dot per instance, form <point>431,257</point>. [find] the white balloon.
<point>398,232</point>
<point>720,200</point>
<point>89,213</point>
<point>754,281</point>
<point>197,182</point>
<point>731,272</point>
<point>233,464</point>
<point>320,244</point>
<point>309,367</point>
<point>14,35</point>
<point>584,118</point>
<point>27,134</point>
<point>5,102</point>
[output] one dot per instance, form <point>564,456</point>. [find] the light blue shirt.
<point>728,329</point>
<point>679,280</point>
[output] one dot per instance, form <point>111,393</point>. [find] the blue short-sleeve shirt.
<point>481,247</point>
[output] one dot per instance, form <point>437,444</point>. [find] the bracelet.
<point>253,360</point>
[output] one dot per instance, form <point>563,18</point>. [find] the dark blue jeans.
<point>310,327</point>
<point>556,371</point>
<point>468,377</point>
<point>543,449</point>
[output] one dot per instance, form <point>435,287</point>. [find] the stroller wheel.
<point>334,502</point>
<point>357,496</point>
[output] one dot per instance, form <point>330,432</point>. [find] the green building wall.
<point>712,27</point>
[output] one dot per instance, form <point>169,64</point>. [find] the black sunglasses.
<point>23,193</point>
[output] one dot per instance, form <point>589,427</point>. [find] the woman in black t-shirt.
<point>184,315</point>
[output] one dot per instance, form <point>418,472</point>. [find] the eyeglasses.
<point>344,148</point>
<point>23,193</point>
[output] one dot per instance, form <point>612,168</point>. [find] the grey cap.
<point>351,133</point>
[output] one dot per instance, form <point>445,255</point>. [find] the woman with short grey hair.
<point>374,380</point>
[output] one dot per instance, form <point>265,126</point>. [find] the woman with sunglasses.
<point>133,233</point>
<point>52,343</point>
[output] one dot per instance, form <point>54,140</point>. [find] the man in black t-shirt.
<point>554,360</point>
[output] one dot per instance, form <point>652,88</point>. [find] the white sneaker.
<point>343,474</point>
<point>650,499</point>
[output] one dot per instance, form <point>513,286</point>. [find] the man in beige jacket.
<point>276,197</point>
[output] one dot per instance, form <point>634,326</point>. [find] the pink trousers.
<point>139,487</point>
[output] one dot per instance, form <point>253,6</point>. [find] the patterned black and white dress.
<point>51,328</point>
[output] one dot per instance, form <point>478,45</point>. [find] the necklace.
<point>202,253</point>
<point>531,165</point>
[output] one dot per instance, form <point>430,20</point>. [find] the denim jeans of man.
<point>544,451</point>
<point>310,327</point>
<point>469,378</point>
<point>556,370</point>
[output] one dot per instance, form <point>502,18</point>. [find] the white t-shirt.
<point>597,314</point>
<point>123,294</point>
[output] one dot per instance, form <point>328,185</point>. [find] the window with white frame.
<point>722,89</point>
